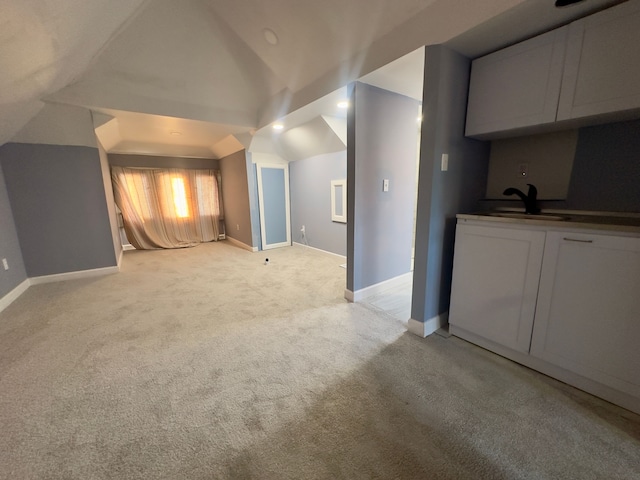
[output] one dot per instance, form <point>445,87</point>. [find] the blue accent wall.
<point>441,195</point>
<point>274,206</point>
<point>59,207</point>
<point>310,186</point>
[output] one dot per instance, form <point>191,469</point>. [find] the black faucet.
<point>529,199</point>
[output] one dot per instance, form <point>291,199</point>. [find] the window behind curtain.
<point>168,208</point>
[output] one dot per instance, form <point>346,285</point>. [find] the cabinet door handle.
<point>577,240</point>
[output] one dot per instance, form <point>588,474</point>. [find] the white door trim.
<point>263,230</point>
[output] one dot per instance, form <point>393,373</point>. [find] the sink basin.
<point>527,216</point>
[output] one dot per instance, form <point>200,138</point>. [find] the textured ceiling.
<point>155,62</point>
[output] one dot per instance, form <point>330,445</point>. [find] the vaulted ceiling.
<point>208,69</point>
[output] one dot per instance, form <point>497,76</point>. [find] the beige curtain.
<point>168,208</point>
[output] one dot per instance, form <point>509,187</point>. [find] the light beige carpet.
<point>206,364</point>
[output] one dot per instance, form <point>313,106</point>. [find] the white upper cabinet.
<point>602,66</point>
<point>518,86</point>
<point>582,74</point>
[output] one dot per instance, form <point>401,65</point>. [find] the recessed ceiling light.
<point>343,104</point>
<point>175,133</point>
<point>278,126</point>
<point>270,36</point>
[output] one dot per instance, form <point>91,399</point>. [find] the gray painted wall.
<point>549,159</point>
<point>235,195</point>
<point>59,207</point>
<point>441,195</point>
<point>111,205</point>
<point>153,161</point>
<point>605,171</point>
<point>9,244</point>
<point>382,142</point>
<point>310,188</point>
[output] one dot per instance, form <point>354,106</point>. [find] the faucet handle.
<point>531,201</point>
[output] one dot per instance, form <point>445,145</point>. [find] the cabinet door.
<point>602,69</point>
<point>495,283</point>
<point>588,314</point>
<point>518,86</point>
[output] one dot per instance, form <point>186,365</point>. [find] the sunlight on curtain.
<point>168,208</point>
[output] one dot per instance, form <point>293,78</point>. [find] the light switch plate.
<point>444,165</point>
<point>385,185</point>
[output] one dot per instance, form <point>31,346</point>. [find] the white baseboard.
<point>240,244</point>
<point>348,294</point>
<point>371,290</point>
<point>58,277</point>
<point>128,247</point>
<point>424,329</point>
<point>344,259</point>
<point>10,297</point>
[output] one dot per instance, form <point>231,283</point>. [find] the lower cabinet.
<point>566,303</point>
<point>495,283</point>
<point>588,309</point>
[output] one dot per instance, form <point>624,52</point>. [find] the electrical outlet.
<point>303,230</point>
<point>5,264</point>
<point>237,226</point>
<point>523,170</point>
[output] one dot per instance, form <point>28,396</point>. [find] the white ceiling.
<point>205,69</point>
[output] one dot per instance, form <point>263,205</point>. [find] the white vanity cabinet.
<point>516,87</point>
<point>588,309</point>
<point>495,283</point>
<point>602,64</point>
<point>563,301</point>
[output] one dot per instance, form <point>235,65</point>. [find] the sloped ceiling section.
<point>177,59</point>
<point>313,37</point>
<point>211,60</point>
<point>308,140</point>
<point>45,45</point>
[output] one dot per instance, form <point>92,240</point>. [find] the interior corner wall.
<point>254,207</point>
<point>9,243</point>
<point>235,198</point>
<point>443,194</point>
<point>310,189</point>
<point>59,207</point>
<point>382,145</point>
<point>111,204</point>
